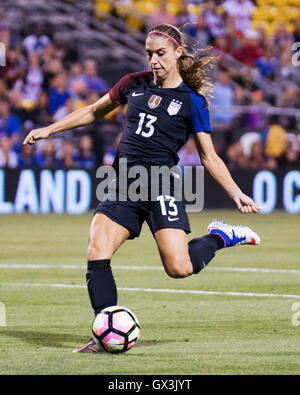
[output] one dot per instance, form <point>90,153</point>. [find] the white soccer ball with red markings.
<point>116,329</point>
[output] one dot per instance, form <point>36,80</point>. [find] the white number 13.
<point>149,124</point>
<point>172,205</point>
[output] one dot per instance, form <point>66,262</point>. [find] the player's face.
<point>162,56</point>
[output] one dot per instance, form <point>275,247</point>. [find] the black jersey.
<point>158,120</point>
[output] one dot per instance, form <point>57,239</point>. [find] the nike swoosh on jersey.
<point>172,219</point>
<point>137,94</point>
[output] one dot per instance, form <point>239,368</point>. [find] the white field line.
<point>157,290</point>
<point>221,269</point>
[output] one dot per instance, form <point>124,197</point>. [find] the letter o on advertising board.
<point>265,191</point>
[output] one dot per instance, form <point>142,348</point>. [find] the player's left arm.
<point>218,170</point>
<point>80,117</point>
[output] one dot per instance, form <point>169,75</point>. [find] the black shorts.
<point>161,214</point>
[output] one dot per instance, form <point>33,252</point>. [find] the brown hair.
<point>192,66</point>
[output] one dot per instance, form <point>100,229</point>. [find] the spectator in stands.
<point>92,80</point>
<point>10,125</point>
<point>8,157</point>
<point>118,117</point>
<point>223,96</point>
<point>240,96</point>
<point>110,154</point>
<point>76,81</point>
<point>232,35</point>
<point>4,30</point>
<point>274,139</point>
<point>34,78</point>
<point>282,37</point>
<point>297,31</point>
<point>51,69</point>
<point>46,156</point>
<point>188,155</point>
<point>256,118</point>
<point>26,157</point>
<point>36,41</point>
<point>290,99</point>
<point>267,63</point>
<point>222,118</point>
<point>240,99</point>
<point>48,54</point>
<point>223,44</point>
<point>23,109</point>
<point>37,115</point>
<point>67,108</point>
<point>249,152</point>
<point>264,40</point>
<point>200,32</point>
<point>42,116</point>
<point>161,15</point>
<point>58,93</point>
<point>247,140</point>
<point>68,154</point>
<point>291,156</point>
<point>183,15</point>
<point>250,49</point>
<point>235,156</point>
<point>85,158</point>
<point>14,71</point>
<point>63,111</point>
<point>3,88</point>
<point>285,67</point>
<point>257,160</point>
<point>213,19</point>
<point>242,11</point>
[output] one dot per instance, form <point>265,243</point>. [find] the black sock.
<point>202,250</point>
<point>101,285</point>
<point>220,242</point>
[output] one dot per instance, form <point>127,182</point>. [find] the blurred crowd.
<point>43,81</point>
<point>251,138</point>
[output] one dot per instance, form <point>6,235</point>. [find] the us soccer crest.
<point>154,101</point>
<point>174,107</point>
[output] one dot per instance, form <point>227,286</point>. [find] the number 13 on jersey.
<point>149,119</point>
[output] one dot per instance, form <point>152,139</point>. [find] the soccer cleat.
<point>233,234</point>
<point>90,348</point>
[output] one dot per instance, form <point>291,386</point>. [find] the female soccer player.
<point>164,105</point>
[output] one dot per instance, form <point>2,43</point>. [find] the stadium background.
<point>61,55</point>
<point>241,314</point>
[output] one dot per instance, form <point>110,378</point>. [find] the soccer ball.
<point>116,329</point>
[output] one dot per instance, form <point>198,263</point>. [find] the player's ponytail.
<point>193,71</point>
<point>192,65</point>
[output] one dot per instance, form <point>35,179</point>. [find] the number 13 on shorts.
<point>165,200</point>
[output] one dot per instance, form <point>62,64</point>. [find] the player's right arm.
<point>80,117</point>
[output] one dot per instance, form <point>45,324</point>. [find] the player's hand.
<point>245,204</point>
<point>35,135</point>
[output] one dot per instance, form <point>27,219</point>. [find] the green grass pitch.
<point>181,333</point>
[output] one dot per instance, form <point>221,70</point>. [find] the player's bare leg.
<point>105,237</point>
<point>173,248</point>
<point>181,258</point>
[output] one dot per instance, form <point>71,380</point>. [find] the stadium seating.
<point>270,13</point>
<point>267,13</point>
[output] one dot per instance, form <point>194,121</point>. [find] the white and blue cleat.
<point>233,234</point>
